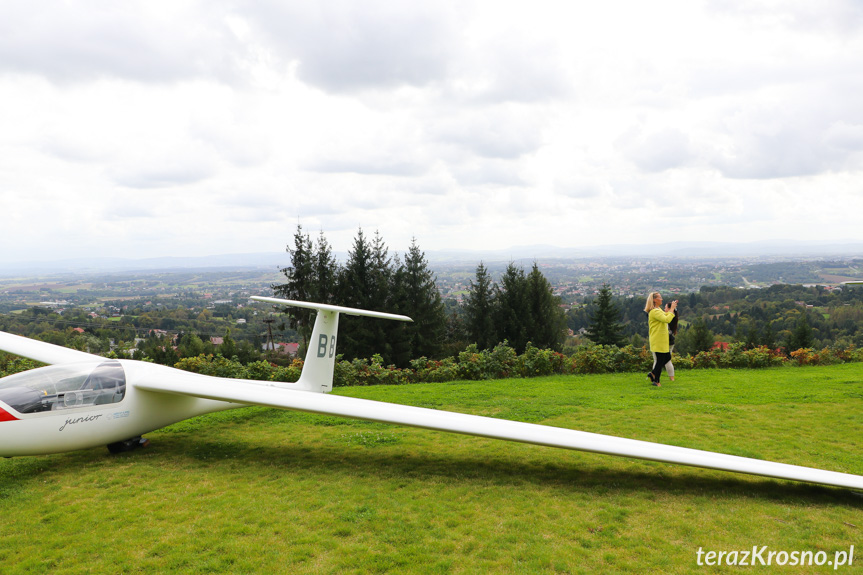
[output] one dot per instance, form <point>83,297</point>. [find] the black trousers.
<point>662,357</point>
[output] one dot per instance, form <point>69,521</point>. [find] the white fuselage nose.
<point>69,422</point>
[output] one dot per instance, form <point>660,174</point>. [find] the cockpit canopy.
<point>59,387</point>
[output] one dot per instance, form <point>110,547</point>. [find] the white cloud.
<point>86,41</point>
<point>200,127</point>
<point>342,46</point>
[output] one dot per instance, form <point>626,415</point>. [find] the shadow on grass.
<point>497,468</point>
<point>575,472</point>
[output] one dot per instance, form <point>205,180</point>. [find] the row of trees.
<point>521,308</point>
<point>370,279</point>
<point>767,318</point>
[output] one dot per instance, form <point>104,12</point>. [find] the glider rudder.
<point>320,361</point>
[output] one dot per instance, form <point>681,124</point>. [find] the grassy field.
<point>265,491</point>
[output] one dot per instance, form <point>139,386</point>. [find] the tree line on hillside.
<point>163,333</point>
<point>516,306</point>
<point>787,316</point>
<point>520,309</point>
<point>370,279</point>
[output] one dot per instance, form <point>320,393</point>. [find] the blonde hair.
<point>649,304</point>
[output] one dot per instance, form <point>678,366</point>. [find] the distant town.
<point>215,301</point>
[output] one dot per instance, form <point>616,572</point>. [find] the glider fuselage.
<point>40,413</point>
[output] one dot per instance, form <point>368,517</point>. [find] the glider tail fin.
<point>320,361</point>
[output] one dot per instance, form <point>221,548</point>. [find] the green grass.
<point>265,491</point>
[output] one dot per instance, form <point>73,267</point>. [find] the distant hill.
<point>779,248</point>
<point>783,249</point>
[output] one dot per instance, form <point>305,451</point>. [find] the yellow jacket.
<point>657,325</point>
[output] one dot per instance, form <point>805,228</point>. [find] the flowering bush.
<point>501,362</point>
<point>763,357</point>
<point>287,374</point>
<point>629,358</point>
<point>807,356</point>
<point>429,370</point>
<point>373,372</point>
<point>214,365</point>
<point>10,364</point>
<point>593,359</point>
<point>849,354</point>
<point>534,362</point>
<point>733,356</point>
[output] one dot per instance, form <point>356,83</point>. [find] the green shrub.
<point>535,362</point>
<point>681,361</point>
<point>433,371</point>
<point>808,356</point>
<point>471,364</point>
<point>216,366</point>
<point>763,357</point>
<point>630,358</point>
<point>259,370</point>
<point>288,373</point>
<point>10,364</point>
<point>849,354</point>
<point>373,372</point>
<point>344,373</point>
<point>706,359</point>
<point>500,362</point>
<point>593,359</point>
<point>732,356</point>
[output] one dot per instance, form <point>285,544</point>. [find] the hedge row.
<point>499,362</point>
<point>502,362</point>
<point>10,364</point>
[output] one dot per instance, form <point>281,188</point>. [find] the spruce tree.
<point>420,299</point>
<point>768,338</point>
<point>325,271</point>
<point>354,290</point>
<point>605,327</point>
<point>299,285</point>
<point>365,283</point>
<point>546,322</point>
<point>702,338</point>
<point>801,337</point>
<point>478,310</point>
<point>511,309</point>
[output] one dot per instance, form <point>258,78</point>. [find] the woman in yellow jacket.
<point>657,325</point>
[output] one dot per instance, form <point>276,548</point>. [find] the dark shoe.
<point>651,378</point>
<point>656,383</point>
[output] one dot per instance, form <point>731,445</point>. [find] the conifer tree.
<point>546,321</point>
<point>299,285</point>
<point>478,310</point>
<point>511,309</point>
<point>228,348</point>
<point>768,338</point>
<point>325,271</point>
<point>801,337</point>
<point>419,298</point>
<point>605,327</point>
<point>364,283</point>
<point>702,338</point>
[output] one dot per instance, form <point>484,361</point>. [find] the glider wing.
<point>43,351</point>
<point>242,392</point>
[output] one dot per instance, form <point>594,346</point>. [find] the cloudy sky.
<point>148,128</point>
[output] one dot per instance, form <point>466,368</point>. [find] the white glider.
<point>82,401</point>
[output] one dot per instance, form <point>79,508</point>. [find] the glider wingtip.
<point>331,307</point>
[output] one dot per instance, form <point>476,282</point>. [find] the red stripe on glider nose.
<point>6,416</point>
